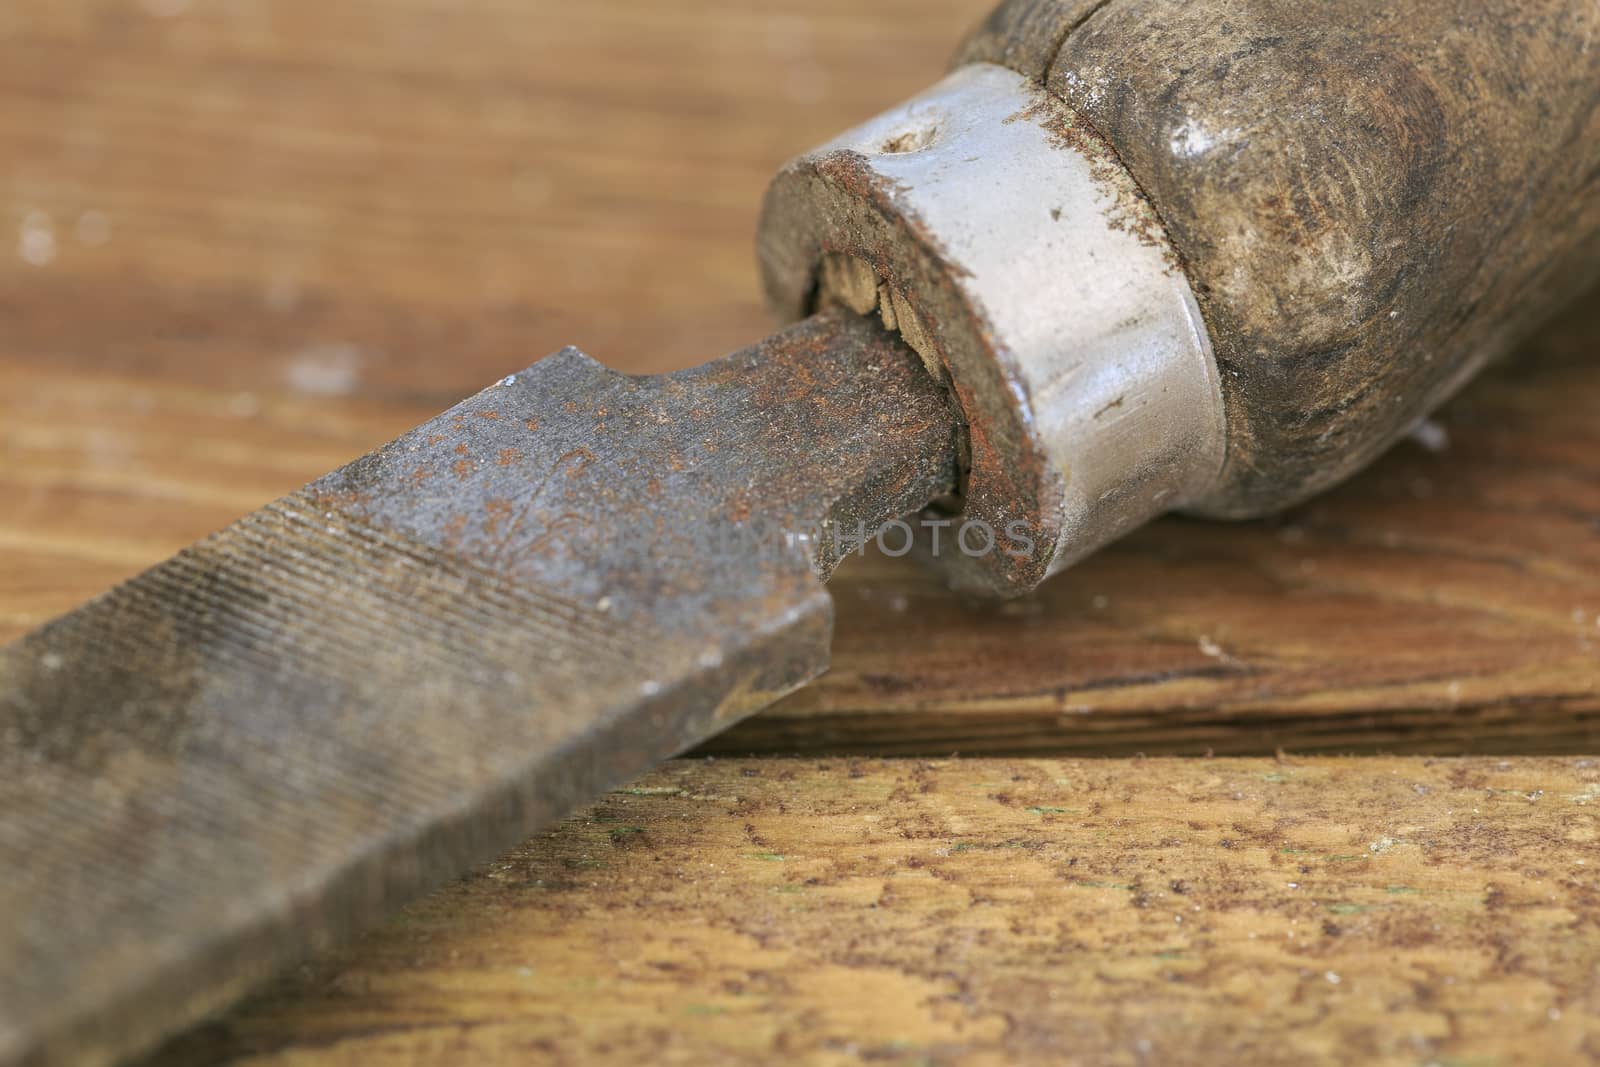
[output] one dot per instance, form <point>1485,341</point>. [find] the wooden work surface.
<point>242,242</point>
<point>1378,911</point>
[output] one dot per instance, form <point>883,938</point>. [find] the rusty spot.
<point>508,456</point>
<point>455,529</point>
<point>349,501</point>
<point>497,511</point>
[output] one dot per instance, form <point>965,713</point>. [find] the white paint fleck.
<point>1210,648</point>
<point>1089,92</point>
<point>1192,139</point>
<point>51,661</point>
<point>1591,793</point>
<point>326,369</point>
<point>603,604</point>
<point>1332,977</point>
<point>1431,435</point>
<point>36,240</point>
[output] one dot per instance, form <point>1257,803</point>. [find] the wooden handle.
<point>1372,198</point>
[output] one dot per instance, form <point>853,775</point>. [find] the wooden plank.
<point>242,243</point>
<point>408,199</point>
<point>1380,911</point>
<point>262,244</point>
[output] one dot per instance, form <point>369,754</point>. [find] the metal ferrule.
<point>1012,249</point>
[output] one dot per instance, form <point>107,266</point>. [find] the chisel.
<point>1128,257</point>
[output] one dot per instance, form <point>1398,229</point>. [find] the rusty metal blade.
<point>353,694</point>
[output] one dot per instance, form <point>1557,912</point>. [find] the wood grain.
<point>244,243</point>
<point>1384,911</point>
<point>193,352</point>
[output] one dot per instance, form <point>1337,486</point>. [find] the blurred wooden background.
<point>250,241</point>
<point>242,241</point>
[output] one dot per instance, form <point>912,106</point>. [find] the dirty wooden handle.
<point>1372,198</point>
